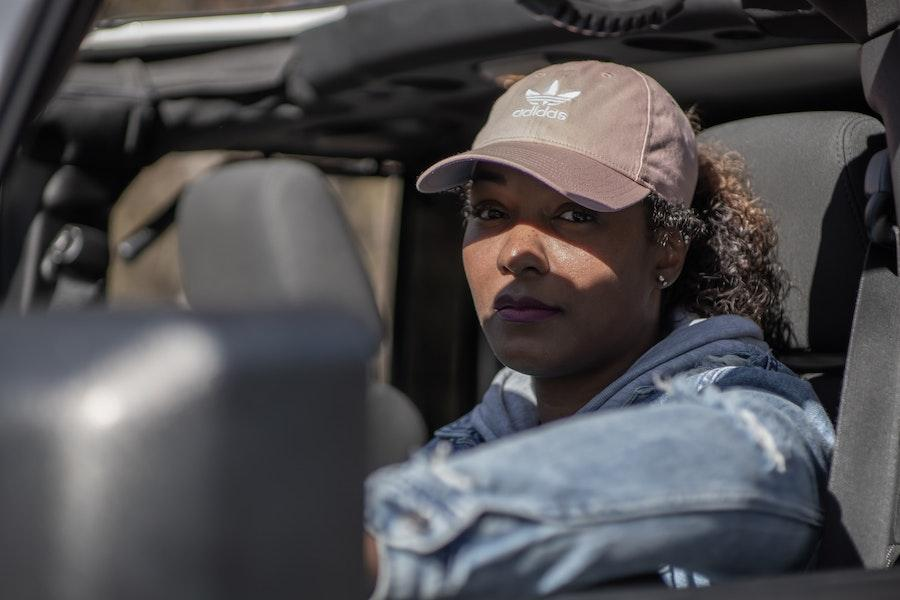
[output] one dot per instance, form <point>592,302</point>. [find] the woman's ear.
<point>671,251</point>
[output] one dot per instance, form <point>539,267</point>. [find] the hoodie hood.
<point>510,405</point>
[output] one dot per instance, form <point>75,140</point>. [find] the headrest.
<point>270,234</point>
<point>147,273</point>
<point>809,168</point>
<point>173,444</point>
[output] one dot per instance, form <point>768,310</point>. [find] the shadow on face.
<point>558,288</point>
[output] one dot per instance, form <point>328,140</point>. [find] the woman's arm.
<point>719,482</point>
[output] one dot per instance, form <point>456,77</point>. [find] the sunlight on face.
<point>559,289</point>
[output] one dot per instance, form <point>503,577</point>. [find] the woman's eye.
<point>578,216</point>
<point>486,213</point>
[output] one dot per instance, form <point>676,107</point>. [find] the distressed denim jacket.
<point>705,461</point>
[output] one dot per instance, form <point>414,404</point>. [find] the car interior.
<point>225,301</point>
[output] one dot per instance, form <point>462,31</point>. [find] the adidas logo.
<point>542,103</point>
<point>551,97</point>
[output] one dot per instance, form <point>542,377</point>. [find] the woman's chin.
<point>536,364</point>
<point>532,350</point>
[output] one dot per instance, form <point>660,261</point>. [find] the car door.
<point>38,38</point>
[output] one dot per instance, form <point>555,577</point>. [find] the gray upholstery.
<point>182,456</point>
<point>270,234</point>
<point>396,427</point>
<point>808,168</point>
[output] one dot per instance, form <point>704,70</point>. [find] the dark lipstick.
<point>523,309</point>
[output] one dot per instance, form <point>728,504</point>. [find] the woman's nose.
<point>523,252</point>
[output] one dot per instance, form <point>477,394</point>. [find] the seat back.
<point>182,455</point>
<point>808,169</point>
<point>63,250</point>
<point>862,523</point>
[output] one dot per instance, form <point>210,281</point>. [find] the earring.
<point>662,281</point>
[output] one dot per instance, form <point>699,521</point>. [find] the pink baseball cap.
<point>601,134</point>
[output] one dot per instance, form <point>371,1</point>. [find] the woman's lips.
<point>524,309</point>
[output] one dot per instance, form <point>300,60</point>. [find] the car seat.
<point>55,250</point>
<point>269,234</point>
<point>144,270</point>
<point>809,169</point>
<point>167,454</point>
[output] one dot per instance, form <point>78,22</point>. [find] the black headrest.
<point>270,234</point>
<point>809,169</point>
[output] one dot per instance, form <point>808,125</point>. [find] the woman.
<point>606,276</point>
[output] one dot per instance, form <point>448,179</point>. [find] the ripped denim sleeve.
<point>716,476</point>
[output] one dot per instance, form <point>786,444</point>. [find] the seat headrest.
<point>270,234</point>
<point>809,168</point>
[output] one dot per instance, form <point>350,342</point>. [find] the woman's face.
<point>560,289</point>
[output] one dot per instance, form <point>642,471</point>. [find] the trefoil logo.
<point>542,103</point>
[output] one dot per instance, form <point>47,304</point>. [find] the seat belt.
<point>862,525</point>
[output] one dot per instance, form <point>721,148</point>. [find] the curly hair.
<point>731,265</point>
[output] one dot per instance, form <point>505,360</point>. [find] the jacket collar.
<point>510,405</point>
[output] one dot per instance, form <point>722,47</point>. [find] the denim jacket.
<point>713,467</point>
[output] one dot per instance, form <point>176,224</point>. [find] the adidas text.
<point>547,113</point>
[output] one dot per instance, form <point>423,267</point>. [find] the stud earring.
<point>662,281</point>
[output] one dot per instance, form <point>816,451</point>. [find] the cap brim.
<point>574,175</point>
